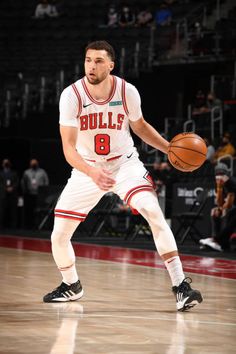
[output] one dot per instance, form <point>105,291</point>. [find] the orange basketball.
<point>187,152</point>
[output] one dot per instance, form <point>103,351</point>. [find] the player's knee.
<point>60,238</point>
<point>151,212</point>
<point>63,231</point>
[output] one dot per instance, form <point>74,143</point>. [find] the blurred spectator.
<point>112,16</point>
<point>126,17</point>
<point>144,17</point>
<point>199,102</point>
<point>163,15</point>
<point>210,149</point>
<point>204,104</point>
<point>44,10</point>
<point>224,214</point>
<point>197,40</point>
<point>9,201</point>
<point>32,179</point>
<point>57,8</point>
<point>225,148</point>
<point>212,101</point>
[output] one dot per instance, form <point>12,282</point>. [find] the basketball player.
<point>96,114</point>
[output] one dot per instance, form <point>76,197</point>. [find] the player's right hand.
<point>102,178</point>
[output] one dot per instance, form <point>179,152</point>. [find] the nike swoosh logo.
<point>86,105</point>
<point>128,156</point>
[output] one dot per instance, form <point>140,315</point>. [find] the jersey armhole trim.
<point>79,99</point>
<point>124,97</point>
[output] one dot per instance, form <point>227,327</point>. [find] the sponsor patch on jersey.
<point>115,103</point>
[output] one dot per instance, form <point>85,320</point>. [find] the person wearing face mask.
<point>223,215</point>
<point>112,17</point>
<point>225,148</point>
<point>9,182</point>
<point>32,179</point>
<point>126,17</point>
<point>44,10</point>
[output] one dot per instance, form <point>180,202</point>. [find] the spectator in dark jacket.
<point>9,178</point>
<point>126,17</point>
<point>32,179</point>
<point>224,214</point>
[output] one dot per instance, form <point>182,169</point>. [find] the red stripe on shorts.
<point>136,190</point>
<point>68,217</point>
<point>69,214</point>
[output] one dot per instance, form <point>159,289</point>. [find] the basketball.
<point>187,152</point>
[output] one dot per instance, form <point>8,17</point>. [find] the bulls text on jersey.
<point>98,121</point>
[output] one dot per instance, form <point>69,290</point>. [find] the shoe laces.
<point>61,288</point>
<point>185,285</point>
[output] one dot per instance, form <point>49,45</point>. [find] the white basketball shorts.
<point>81,194</point>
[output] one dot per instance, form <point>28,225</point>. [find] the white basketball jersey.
<point>103,126</point>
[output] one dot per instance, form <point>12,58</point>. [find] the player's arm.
<point>68,137</point>
<point>219,191</point>
<point>149,135</point>
<point>101,177</point>
<point>140,127</point>
<point>229,201</point>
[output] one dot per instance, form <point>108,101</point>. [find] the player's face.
<point>98,66</point>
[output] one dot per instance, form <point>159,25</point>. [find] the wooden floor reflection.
<point>126,309</point>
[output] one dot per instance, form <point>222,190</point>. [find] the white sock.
<point>69,274</point>
<point>175,269</point>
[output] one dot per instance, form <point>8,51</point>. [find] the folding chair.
<point>103,211</point>
<point>187,220</point>
<point>138,227</point>
<point>46,201</point>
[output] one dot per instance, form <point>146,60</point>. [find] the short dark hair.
<point>102,45</point>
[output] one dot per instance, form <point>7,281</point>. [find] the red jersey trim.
<point>113,90</point>
<point>79,99</point>
<point>124,97</point>
<point>129,195</point>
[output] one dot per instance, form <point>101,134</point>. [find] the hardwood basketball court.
<point>127,306</point>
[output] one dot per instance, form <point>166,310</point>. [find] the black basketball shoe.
<point>65,292</point>
<point>186,297</point>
